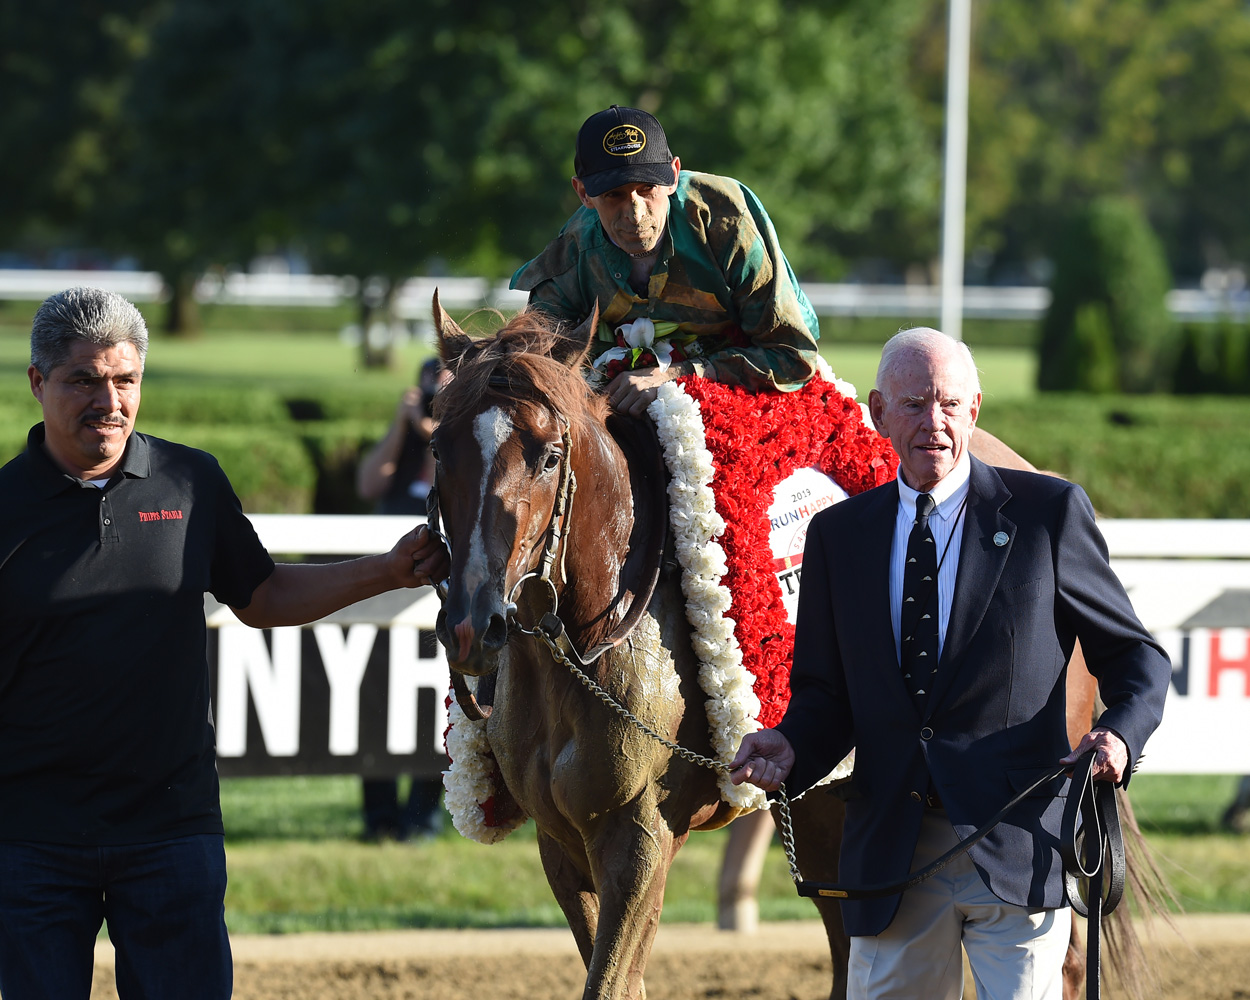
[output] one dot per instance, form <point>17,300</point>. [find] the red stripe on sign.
<point>787,562</point>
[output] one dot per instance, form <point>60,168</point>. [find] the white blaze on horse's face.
<point>491,428</point>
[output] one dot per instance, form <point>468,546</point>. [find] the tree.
<point>1074,99</point>
<point>63,69</point>
<point>386,135</point>
<point>200,176</point>
<point>1107,328</point>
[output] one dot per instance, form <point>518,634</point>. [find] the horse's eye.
<point>433,451</point>
<point>552,462</point>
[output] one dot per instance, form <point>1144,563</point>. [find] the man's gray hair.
<point>923,338</point>
<point>87,314</point>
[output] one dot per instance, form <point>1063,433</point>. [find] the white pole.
<point>955,170</point>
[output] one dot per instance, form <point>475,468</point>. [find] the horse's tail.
<point>1150,895</point>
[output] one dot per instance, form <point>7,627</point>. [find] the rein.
<point>1091,845</point>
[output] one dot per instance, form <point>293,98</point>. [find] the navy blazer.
<point>995,717</point>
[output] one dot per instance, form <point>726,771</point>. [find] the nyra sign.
<point>360,692</point>
<point>363,691</point>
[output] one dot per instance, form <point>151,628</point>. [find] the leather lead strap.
<point>1091,845</point>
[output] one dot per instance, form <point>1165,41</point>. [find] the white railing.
<point>1127,538</point>
<point>331,534</point>
<point>413,298</point>
<point>1130,538</point>
<point>1189,582</point>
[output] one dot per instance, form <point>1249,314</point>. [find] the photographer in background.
<point>396,474</point>
<point>398,470</point>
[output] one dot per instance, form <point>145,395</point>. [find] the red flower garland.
<point>757,441</point>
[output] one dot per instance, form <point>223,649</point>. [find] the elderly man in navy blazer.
<point>935,622</point>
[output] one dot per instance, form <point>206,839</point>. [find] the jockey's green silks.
<point>721,276</point>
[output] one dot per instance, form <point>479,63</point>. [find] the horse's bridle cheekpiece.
<point>622,146</point>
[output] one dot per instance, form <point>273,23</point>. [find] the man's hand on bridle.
<point>764,758</point>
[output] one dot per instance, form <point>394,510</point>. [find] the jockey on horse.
<point>688,278</point>
<point>694,254</point>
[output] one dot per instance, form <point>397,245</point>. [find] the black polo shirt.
<point>105,734</point>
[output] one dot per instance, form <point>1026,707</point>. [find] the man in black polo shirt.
<point>109,804</point>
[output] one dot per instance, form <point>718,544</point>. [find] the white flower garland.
<point>469,780</point>
<point>732,707</point>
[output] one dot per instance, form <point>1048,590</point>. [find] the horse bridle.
<point>550,627</point>
<point>555,533</point>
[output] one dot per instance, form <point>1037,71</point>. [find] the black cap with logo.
<point>622,146</point>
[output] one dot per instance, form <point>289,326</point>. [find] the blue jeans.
<point>165,908</point>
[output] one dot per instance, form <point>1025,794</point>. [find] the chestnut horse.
<point>612,805</point>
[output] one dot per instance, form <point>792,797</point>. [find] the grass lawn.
<point>1007,373</point>
<point>296,863</point>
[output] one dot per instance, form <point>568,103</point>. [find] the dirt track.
<point>786,961</point>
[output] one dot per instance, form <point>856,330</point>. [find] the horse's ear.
<point>571,348</point>
<point>452,341</point>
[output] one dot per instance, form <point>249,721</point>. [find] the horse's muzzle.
<point>473,643</point>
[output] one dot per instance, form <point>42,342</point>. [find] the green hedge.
<point>270,468</point>
<point>351,402</point>
<point>1213,358</point>
<point>275,468</point>
<point>13,436</point>
<point>176,401</point>
<point>19,412</point>
<point>1108,327</point>
<point>335,448</point>
<point>1138,456</point>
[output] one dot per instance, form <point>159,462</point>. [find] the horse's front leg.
<point>630,858</point>
<point>574,891</point>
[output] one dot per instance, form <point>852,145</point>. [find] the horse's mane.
<point>518,363</point>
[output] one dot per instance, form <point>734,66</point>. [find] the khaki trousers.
<point>1015,953</point>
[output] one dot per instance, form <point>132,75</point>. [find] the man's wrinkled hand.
<point>1110,755</point>
<point>764,759</point>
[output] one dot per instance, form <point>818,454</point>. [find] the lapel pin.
<point>1001,538</point>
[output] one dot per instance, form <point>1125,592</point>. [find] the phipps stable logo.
<point>625,140</point>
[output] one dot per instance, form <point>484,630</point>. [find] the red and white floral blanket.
<point>727,451</point>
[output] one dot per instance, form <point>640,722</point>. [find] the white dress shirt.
<point>947,523</point>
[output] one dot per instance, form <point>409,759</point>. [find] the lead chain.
<point>785,826</point>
